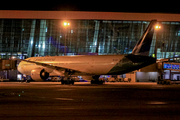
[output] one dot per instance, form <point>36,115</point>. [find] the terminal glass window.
<point>40,37</point>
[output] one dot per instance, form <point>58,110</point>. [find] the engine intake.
<point>39,74</point>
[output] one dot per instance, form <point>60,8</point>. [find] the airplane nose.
<point>20,68</point>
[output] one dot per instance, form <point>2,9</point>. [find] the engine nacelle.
<point>87,78</point>
<point>39,74</point>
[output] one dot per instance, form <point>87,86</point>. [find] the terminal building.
<point>26,34</point>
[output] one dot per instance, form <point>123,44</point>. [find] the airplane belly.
<point>27,71</point>
<point>103,65</point>
<point>100,68</point>
<point>91,67</point>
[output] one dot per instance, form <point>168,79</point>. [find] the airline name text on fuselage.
<point>45,59</point>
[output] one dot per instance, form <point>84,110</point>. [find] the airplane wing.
<point>50,68</point>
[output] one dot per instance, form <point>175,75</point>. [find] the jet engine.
<point>87,78</point>
<point>39,74</point>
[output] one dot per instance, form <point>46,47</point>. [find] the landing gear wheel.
<point>97,82</point>
<point>72,82</point>
<point>67,82</point>
<point>62,82</point>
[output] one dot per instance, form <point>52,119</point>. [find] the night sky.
<point>145,6</point>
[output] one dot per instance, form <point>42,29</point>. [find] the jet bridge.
<point>8,70</point>
<point>8,64</point>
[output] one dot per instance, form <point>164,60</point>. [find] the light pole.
<point>66,24</point>
<point>157,27</point>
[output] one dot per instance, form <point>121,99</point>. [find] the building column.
<point>113,39</point>
<point>95,39</point>
<point>30,51</point>
<point>42,37</point>
<point>87,38</point>
<point>104,39</point>
<point>1,35</point>
<point>11,40</point>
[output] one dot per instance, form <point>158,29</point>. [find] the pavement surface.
<point>82,101</point>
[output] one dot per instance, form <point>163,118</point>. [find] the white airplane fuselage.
<point>86,65</point>
<point>92,65</point>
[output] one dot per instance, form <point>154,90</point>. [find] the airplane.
<point>88,66</point>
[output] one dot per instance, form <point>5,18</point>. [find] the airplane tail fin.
<point>143,45</point>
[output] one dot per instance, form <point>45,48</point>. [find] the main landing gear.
<point>67,81</point>
<point>96,80</point>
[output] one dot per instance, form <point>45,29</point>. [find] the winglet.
<point>143,45</point>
